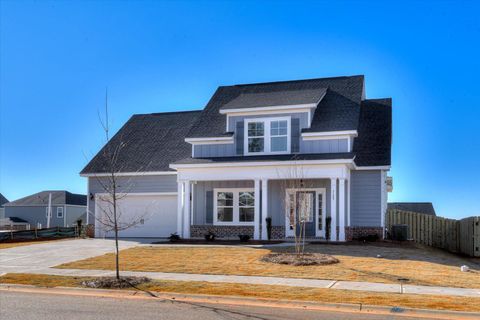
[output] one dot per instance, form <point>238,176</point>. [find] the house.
<point>3,200</point>
<point>223,169</point>
<point>418,207</point>
<point>66,209</point>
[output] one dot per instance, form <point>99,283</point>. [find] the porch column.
<point>264,208</point>
<point>341,209</point>
<point>186,213</point>
<point>333,212</point>
<point>256,228</point>
<point>180,199</point>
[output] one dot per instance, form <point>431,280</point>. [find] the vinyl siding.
<point>133,184</point>
<point>324,146</point>
<point>35,215</point>
<point>366,198</point>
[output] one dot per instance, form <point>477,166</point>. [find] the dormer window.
<point>267,136</point>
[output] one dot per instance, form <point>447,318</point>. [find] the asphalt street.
<point>34,306</point>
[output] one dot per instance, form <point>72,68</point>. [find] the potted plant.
<point>210,236</point>
<point>269,227</point>
<point>244,237</point>
<point>174,237</point>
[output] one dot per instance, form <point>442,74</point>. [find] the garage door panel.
<point>157,215</point>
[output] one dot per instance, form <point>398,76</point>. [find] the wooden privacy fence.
<point>461,236</point>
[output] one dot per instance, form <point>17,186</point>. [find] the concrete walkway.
<point>41,258</point>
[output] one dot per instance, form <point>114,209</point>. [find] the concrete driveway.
<point>33,257</point>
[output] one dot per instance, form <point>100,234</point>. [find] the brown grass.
<point>357,263</point>
<point>272,292</point>
<point>6,245</point>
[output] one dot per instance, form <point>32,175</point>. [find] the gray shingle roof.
<point>59,197</point>
<point>373,145</point>
<point>151,143</point>
<point>338,110</point>
<point>281,157</point>
<point>419,207</point>
<point>276,98</point>
<point>3,200</point>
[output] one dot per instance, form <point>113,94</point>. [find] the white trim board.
<point>270,109</point>
<point>210,140</point>
<point>125,174</point>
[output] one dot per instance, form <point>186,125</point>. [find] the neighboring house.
<point>418,207</point>
<point>3,200</point>
<point>221,169</point>
<point>66,209</point>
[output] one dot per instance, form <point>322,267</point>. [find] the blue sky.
<point>56,58</point>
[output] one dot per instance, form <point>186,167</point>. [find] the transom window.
<point>234,206</point>
<point>267,135</point>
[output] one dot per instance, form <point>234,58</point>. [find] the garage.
<point>156,214</point>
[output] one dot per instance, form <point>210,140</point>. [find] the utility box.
<point>399,232</point>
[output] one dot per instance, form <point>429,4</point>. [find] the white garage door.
<point>156,214</point>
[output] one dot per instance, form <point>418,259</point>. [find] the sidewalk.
<point>293,282</point>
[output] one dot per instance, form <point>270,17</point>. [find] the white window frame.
<point>266,135</point>
<point>62,210</point>
<point>236,207</point>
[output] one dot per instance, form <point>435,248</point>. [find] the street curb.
<point>244,301</point>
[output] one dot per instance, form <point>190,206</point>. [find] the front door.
<point>307,205</point>
<point>305,208</point>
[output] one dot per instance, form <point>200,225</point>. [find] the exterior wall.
<point>232,232</point>
<point>132,184</point>
<point>356,233</point>
<point>323,146</point>
<point>2,213</point>
<point>366,198</point>
<point>35,215</point>
<point>73,213</point>
<point>214,150</point>
<point>308,146</point>
<point>199,201</point>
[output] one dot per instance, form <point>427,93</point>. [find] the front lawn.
<point>421,266</point>
<point>272,292</point>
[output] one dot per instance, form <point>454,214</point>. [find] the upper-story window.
<point>267,135</point>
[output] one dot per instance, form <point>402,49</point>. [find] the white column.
<point>180,199</point>
<point>256,228</point>
<point>341,210</point>
<point>264,208</point>
<point>333,211</point>
<point>186,209</point>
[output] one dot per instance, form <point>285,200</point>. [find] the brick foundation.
<point>353,233</point>
<point>232,232</point>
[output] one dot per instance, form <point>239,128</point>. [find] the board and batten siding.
<point>324,146</point>
<point>366,198</point>
<point>133,184</point>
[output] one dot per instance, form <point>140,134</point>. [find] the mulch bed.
<point>114,283</point>
<point>220,242</point>
<point>307,259</point>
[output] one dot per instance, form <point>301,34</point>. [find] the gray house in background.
<point>3,200</point>
<point>418,207</point>
<point>67,208</point>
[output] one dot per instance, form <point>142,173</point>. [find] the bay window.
<point>234,206</point>
<point>267,136</point>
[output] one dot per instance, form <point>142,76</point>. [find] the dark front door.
<point>305,213</point>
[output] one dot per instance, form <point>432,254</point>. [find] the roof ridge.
<point>294,81</point>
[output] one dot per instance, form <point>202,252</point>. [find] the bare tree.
<point>296,203</point>
<point>111,217</point>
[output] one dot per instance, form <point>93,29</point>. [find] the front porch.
<point>233,200</point>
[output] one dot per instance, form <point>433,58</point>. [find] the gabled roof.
<point>373,145</point>
<point>151,143</point>
<point>338,110</point>
<point>419,207</point>
<point>275,98</point>
<point>59,197</point>
<point>3,200</point>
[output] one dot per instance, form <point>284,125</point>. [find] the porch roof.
<point>279,157</point>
